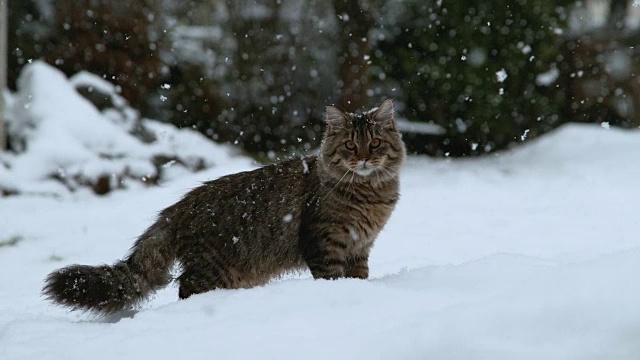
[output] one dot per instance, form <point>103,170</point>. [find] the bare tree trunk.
<point>353,56</point>
<point>618,13</point>
<point>3,71</point>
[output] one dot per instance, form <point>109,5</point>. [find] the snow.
<point>83,78</point>
<point>527,254</point>
<point>305,166</point>
<point>353,233</point>
<point>501,75</point>
<point>426,128</point>
<point>547,78</point>
<point>60,134</point>
<point>618,64</point>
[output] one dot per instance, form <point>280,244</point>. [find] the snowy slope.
<point>530,254</point>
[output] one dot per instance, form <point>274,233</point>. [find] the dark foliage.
<point>106,38</point>
<point>446,56</point>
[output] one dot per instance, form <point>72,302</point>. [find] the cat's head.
<point>369,144</point>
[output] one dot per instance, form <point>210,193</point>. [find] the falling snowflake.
<point>501,75</point>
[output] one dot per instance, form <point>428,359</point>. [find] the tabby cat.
<point>322,212</point>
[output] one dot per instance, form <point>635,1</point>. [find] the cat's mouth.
<point>364,169</point>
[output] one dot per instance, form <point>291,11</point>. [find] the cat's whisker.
<point>378,179</point>
<point>351,187</point>
<point>336,185</point>
<point>392,175</point>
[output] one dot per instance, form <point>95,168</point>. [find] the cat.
<point>318,212</point>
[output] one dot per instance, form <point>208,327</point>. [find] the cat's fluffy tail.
<point>107,289</point>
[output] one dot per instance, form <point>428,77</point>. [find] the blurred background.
<point>468,77</point>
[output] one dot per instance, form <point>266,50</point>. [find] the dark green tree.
<point>482,70</point>
<point>356,21</point>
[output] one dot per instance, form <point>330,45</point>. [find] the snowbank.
<point>530,254</point>
<point>63,142</point>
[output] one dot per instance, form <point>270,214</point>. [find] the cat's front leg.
<point>329,260</point>
<point>357,267</point>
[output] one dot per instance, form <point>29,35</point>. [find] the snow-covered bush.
<point>61,141</point>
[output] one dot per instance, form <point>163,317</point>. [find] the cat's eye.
<point>375,143</point>
<point>350,145</point>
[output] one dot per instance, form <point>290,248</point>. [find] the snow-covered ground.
<point>528,254</point>
<point>532,254</point>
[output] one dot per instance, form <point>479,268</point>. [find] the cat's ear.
<point>335,117</point>
<point>384,115</point>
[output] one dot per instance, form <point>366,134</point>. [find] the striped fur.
<point>322,212</point>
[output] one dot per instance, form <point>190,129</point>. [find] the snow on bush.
<point>62,141</point>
